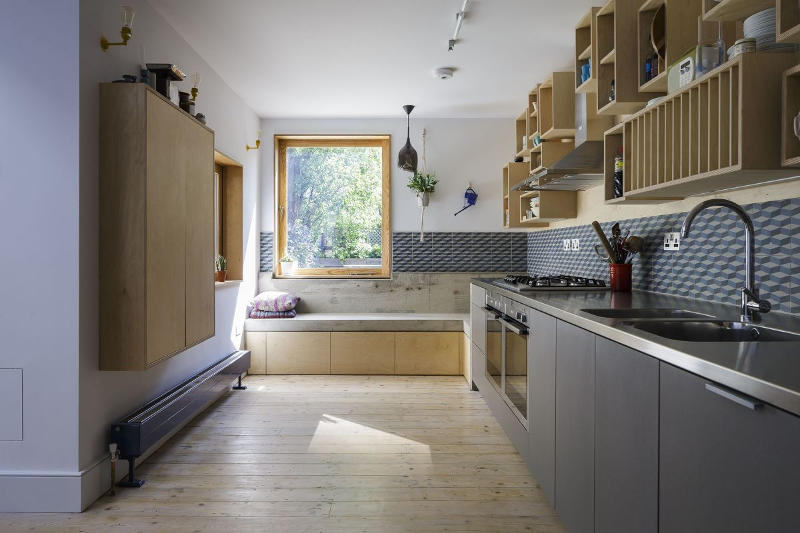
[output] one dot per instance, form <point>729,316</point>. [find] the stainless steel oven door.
<point>515,367</point>
<point>494,348</point>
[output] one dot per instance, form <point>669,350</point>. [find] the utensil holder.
<point>619,275</point>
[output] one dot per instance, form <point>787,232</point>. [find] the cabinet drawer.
<point>427,353</point>
<point>362,353</point>
<point>299,352</point>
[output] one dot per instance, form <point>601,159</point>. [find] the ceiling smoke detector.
<point>444,73</point>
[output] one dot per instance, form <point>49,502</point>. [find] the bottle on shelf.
<point>618,174</point>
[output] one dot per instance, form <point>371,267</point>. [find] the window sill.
<point>316,276</point>
<point>227,283</point>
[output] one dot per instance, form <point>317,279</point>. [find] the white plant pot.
<point>288,267</point>
<point>423,199</point>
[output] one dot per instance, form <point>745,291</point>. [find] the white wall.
<point>39,211</point>
<point>458,150</point>
<point>49,170</point>
<point>106,396</point>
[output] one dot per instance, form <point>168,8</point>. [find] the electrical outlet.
<point>672,241</point>
<point>567,245</point>
<point>576,245</point>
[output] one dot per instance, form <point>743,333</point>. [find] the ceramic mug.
<point>796,125</point>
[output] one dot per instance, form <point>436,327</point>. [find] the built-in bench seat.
<point>360,343</point>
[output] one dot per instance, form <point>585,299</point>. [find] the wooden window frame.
<point>382,141</point>
<point>229,194</point>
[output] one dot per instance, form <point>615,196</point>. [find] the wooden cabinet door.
<point>724,466</point>
<point>575,427</point>
<point>370,352</point>
<point>165,230</point>
<point>427,353</point>
<point>542,422</point>
<point>199,232</point>
<point>626,440</point>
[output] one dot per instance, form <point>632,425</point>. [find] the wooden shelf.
<point>556,102</point>
<point>521,129</point>
<point>514,173</point>
<point>549,153</point>
<point>537,149</point>
<point>787,20</point>
<point>790,98</point>
<point>733,10</point>
<point>610,58</point>
<point>617,43</point>
<point>553,206</point>
<point>533,115</point>
<point>718,132</point>
<point>586,51</point>
<point>655,85</point>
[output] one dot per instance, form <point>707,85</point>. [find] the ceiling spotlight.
<point>444,73</point>
<point>451,44</point>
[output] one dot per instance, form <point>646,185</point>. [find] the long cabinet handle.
<point>745,401</point>
<point>513,327</point>
<point>490,311</point>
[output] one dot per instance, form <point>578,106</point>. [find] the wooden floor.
<point>328,453</point>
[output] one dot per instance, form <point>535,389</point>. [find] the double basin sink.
<point>682,325</point>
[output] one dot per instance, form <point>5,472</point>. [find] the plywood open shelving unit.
<point>553,206</point>
<point>533,115</point>
<point>586,51</point>
<point>557,106</point>
<point>617,48</point>
<point>787,19</point>
<point>548,153</point>
<point>719,132</point>
<point>680,34</point>
<point>521,129</point>
<point>514,173</point>
<point>790,144</point>
<point>733,10</point>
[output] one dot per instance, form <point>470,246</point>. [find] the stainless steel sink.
<point>714,331</point>
<point>645,313</point>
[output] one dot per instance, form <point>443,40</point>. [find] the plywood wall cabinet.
<point>521,130</point>
<point>156,228</point>
<point>721,131</point>
<point>617,49</point>
<point>790,144</point>
<point>553,206</point>
<point>787,19</point>
<point>586,51</point>
<point>733,10</point>
<point>513,173</point>
<point>557,106</point>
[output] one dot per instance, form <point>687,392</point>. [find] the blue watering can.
<point>470,197</point>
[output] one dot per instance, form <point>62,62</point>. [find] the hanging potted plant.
<point>288,264</point>
<point>423,185</point>
<point>220,269</point>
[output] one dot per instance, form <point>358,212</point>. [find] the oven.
<point>507,335</point>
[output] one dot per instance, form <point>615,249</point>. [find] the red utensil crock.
<point>620,276</point>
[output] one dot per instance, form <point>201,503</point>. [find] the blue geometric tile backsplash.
<point>710,262</point>
<point>708,266</point>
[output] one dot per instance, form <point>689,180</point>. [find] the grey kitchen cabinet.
<point>542,423</point>
<point>575,402</point>
<point>626,440</point>
<point>727,463</point>
<point>477,326</point>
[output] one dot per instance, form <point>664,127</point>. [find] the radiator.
<point>135,434</point>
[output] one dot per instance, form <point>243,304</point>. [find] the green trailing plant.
<point>287,259</point>
<point>420,182</point>
<point>221,263</point>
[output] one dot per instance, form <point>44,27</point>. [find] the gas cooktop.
<point>550,283</point>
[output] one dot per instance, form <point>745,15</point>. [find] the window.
<point>228,220</point>
<point>333,205</point>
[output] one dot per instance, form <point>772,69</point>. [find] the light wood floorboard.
<point>328,454</point>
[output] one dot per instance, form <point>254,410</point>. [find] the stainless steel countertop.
<point>768,371</point>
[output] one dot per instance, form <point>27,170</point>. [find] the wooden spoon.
<point>604,241</point>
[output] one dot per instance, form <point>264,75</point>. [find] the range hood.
<point>582,168</point>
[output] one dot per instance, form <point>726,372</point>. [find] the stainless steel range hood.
<point>582,168</point>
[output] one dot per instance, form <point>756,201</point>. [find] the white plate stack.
<point>761,27</point>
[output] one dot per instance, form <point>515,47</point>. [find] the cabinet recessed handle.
<point>513,327</point>
<point>741,399</point>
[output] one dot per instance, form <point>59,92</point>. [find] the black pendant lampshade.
<point>407,158</point>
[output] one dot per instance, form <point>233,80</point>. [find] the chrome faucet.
<point>752,305</point>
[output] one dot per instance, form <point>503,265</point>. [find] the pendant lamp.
<point>407,158</point>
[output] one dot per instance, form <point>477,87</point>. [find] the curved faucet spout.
<point>750,290</point>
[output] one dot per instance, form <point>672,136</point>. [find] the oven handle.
<point>490,311</point>
<point>519,330</point>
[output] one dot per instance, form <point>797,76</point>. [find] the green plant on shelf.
<point>221,264</point>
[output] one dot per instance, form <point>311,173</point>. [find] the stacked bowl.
<point>761,27</point>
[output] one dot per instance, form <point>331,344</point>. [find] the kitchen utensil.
<point>604,240</point>
<point>633,245</point>
<point>599,250</point>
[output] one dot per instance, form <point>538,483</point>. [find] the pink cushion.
<point>274,301</point>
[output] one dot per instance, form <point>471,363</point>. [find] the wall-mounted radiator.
<point>140,430</point>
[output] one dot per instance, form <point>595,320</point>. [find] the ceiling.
<point>366,58</point>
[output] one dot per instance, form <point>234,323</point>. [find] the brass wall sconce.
<point>258,143</point>
<point>127,13</point>
<point>195,85</point>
